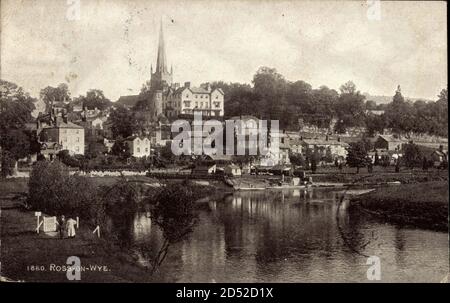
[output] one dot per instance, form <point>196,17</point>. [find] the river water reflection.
<point>291,236</point>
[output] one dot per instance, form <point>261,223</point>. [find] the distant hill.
<point>388,99</point>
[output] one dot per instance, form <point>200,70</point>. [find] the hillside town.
<point>92,133</point>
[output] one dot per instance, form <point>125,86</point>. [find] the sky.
<point>110,45</point>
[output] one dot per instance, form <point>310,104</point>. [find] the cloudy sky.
<point>113,43</point>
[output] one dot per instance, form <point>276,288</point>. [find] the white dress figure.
<point>71,228</point>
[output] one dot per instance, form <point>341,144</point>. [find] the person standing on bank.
<point>61,224</point>
<point>71,228</point>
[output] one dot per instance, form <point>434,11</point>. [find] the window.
<point>195,96</point>
<point>78,139</point>
<point>201,96</point>
<point>196,104</point>
<point>217,97</point>
<point>77,132</point>
<point>77,148</point>
<point>146,150</point>
<point>65,139</point>
<point>138,150</point>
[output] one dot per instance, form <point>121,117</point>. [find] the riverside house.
<point>63,135</point>
<point>138,146</point>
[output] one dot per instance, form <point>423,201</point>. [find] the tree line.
<point>274,97</point>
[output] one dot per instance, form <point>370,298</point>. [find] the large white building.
<point>186,100</point>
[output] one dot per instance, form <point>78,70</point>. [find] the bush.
<point>67,159</point>
<point>412,155</point>
<point>52,190</point>
<point>7,164</point>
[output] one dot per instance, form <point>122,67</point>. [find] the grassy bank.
<point>380,176</point>
<point>423,205</point>
<point>29,256</point>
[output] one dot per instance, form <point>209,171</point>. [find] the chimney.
<point>187,84</point>
<point>441,148</point>
<point>207,87</point>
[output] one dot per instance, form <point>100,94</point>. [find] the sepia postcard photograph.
<point>213,141</point>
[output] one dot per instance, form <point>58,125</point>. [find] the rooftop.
<point>391,138</point>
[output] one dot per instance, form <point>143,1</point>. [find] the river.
<point>291,236</point>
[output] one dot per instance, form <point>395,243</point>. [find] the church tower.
<point>162,77</point>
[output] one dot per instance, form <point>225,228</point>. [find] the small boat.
<point>249,188</point>
<point>287,187</point>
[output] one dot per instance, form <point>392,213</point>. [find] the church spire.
<point>161,64</point>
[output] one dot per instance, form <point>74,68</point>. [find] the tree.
<point>271,87</point>
<point>59,93</point>
<point>357,155</point>
<point>176,220</point>
<point>51,190</point>
<point>166,154</point>
<point>321,106</point>
<point>95,99</point>
<point>124,122</point>
<point>121,149</point>
<point>349,107</point>
<point>67,159</point>
<point>412,155</point>
<point>297,159</point>
<point>375,124</point>
<point>443,95</point>
<point>15,111</point>
<point>400,114</point>
<point>95,149</point>
<point>371,105</point>
<point>348,88</point>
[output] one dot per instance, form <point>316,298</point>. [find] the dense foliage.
<point>15,111</point>
<point>357,155</point>
<point>52,188</point>
<point>274,97</point>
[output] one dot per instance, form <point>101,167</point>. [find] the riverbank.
<point>31,257</point>
<point>28,256</point>
<point>404,177</point>
<point>422,205</point>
